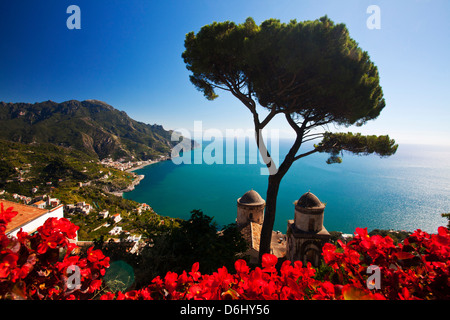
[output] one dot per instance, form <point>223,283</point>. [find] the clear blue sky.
<point>128,54</point>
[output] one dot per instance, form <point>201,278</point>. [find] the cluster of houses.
<point>123,165</point>
<point>18,197</point>
<point>117,230</point>
<point>85,208</point>
<point>119,165</point>
<point>79,207</point>
<point>47,202</point>
<point>41,202</point>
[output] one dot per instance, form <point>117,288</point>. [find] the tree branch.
<point>269,117</point>
<point>305,154</point>
<point>290,157</point>
<point>247,100</point>
<point>314,138</point>
<point>294,125</point>
<point>219,87</point>
<point>234,89</point>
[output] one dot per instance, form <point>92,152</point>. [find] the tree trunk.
<point>271,198</point>
<point>269,214</point>
<point>274,180</point>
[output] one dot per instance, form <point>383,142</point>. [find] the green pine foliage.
<point>336,143</point>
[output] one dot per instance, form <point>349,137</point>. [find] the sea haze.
<point>407,191</point>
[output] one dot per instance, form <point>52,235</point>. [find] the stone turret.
<point>306,234</point>
<point>250,208</point>
<point>309,213</point>
<point>250,217</point>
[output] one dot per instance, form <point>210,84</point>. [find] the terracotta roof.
<point>25,214</point>
<point>252,234</point>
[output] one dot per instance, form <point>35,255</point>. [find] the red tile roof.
<point>25,214</point>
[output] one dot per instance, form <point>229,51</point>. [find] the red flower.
<point>145,294</point>
<point>6,215</point>
<point>9,262</point>
<point>108,296</point>
<point>325,292</point>
<point>25,270</point>
<point>330,255</point>
<point>443,236</point>
<point>193,292</point>
<point>268,262</point>
<point>120,296</point>
<point>194,272</point>
<point>158,282</point>
<point>170,281</point>
<point>95,285</point>
<point>351,257</point>
<point>241,266</point>
<point>94,255</point>
<point>361,233</point>
<point>45,245</point>
<point>131,295</point>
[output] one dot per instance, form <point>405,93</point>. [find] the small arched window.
<point>311,225</point>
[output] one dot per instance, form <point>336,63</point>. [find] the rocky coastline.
<point>138,178</point>
<point>131,187</point>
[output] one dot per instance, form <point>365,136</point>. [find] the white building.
<point>134,238</point>
<point>41,204</point>
<point>115,231</point>
<point>143,207</point>
<point>86,209</point>
<point>29,218</point>
<point>117,217</point>
<point>83,207</point>
<point>54,202</point>
<point>104,214</point>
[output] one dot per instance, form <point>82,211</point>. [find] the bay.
<point>407,191</point>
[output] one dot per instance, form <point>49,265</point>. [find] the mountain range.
<point>91,126</point>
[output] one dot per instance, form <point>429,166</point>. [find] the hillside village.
<point>112,223</point>
<point>124,165</point>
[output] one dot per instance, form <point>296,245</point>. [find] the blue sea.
<point>407,191</point>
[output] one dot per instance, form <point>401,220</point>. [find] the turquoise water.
<point>406,191</point>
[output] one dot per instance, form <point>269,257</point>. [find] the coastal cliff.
<point>131,187</point>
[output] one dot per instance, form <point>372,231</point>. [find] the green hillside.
<point>52,168</point>
<point>90,126</point>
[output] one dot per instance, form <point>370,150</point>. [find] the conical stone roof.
<point>251,198</point>
<point>309,200</point>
